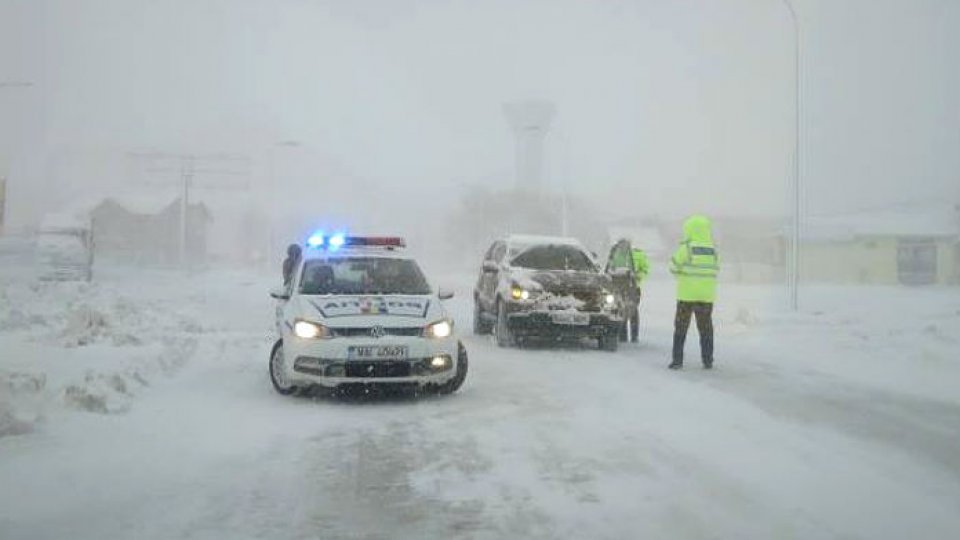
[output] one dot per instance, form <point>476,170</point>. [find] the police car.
<point>358,310</point>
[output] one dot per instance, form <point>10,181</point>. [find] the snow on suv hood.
<point>561,281</point>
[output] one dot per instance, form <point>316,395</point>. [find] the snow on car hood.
<point>332,307</point>
<point>560,281</point>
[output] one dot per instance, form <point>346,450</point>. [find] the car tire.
<point>503,334</point>
<point>609,342</point>
<point>480,326</point>
<point>634,328</point>
<point>456,382</point>
<point>276,373</point>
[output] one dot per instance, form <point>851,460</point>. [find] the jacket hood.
<point>697,229</point>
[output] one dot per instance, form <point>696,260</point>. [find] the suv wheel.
<point>634,328</point>
<point>504,335</point>
<point>610,341</point>
<point>480,326</point>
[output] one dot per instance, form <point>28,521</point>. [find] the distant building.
<point>909,246</point>
<point>148,232</point>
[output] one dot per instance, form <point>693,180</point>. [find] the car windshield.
<point>363,275</point>
<point>555,258</point>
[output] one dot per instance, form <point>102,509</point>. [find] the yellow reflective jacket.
<point>695,263</point>
<point>641,266</point>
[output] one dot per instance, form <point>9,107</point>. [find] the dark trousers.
<point>704,314</point>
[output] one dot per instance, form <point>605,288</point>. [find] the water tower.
<point>530,120</point>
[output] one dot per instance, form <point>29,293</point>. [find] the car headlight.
<point>519,293</point>
<point>439,329</point>
<point>311,330</point>
<point>609,299</point>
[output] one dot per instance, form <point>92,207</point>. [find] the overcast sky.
<point>664,106</point>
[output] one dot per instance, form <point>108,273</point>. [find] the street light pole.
<point>794,275</point>
<point>272,196</point>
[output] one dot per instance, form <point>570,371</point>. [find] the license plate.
<point>377,352</point>
<point>578,319</point>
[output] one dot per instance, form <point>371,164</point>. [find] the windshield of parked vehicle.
<point>363,275</point>
<point>555,258</point>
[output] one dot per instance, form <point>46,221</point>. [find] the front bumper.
<point>542,324</point>
<point>327,363</point>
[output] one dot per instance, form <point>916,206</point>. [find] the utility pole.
<point>186,176</point>
<point>5,85</point>
<point>794,272</point>
<point>186,165</point>
<point>274,177</point>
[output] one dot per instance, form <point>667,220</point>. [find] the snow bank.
<point>84,347</point>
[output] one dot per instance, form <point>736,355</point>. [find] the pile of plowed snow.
<point>88,347</point>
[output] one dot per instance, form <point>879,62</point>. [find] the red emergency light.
<point>374,241</point>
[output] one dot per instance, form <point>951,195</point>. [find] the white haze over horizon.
<point>664,107</point>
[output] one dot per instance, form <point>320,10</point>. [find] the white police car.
<point>357,310</point>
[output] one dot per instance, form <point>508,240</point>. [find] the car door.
<point>620,269</point>
<point>489,276</point>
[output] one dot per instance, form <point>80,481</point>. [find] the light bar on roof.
<point>336,241</point>
<point>375,241</point>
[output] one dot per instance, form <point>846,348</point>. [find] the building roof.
<point>137,201</point>
<point>63,222</point>
<point>936,221</point>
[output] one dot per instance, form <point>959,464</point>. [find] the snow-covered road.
<point>840,422</point>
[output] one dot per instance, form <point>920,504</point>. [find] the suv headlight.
<point>519,293</point>
<point>439,329</point>
<point>609,299</point>
<point>311,330</point>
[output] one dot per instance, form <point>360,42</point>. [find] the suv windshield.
<point>555,258</point>
<point>363,275</point>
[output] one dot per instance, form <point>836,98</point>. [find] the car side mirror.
<point>445,294</point>
<point>279,294</point>
<point>490,267</point>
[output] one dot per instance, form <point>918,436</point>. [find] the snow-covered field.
<point>139,406</point>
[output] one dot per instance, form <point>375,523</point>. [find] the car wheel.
<point>456,382</point>
<point>480,326</point>
<point>504,335</point>
<point>634,328</point>
<point>277,376</point>
<point>609,342</point>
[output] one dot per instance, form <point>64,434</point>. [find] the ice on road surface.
<point>140,407</point>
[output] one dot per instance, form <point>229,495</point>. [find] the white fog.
<point>606,189</point>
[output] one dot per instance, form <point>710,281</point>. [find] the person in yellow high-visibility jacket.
<point>695,264</point>
<point>641,266</point>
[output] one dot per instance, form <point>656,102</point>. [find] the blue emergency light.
<point>337,240</point>
<point>316,240</point>
<point>319,240</point>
